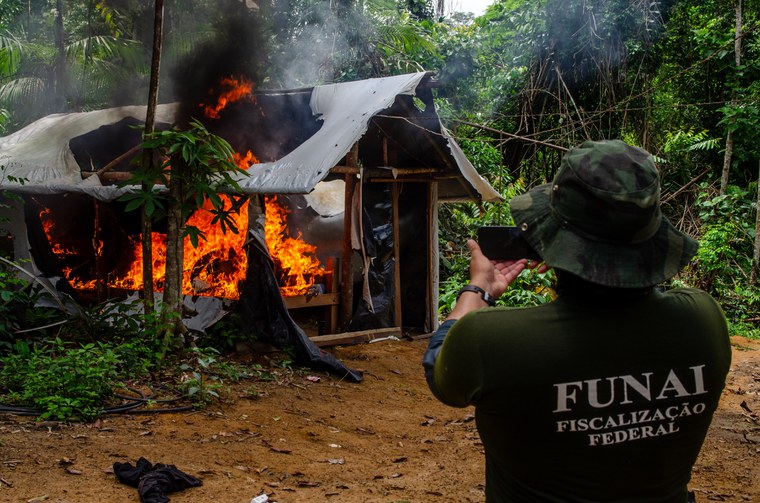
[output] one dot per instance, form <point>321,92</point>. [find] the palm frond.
<point>708,144</point>
<point>405,39</point>
<point>11,52</point>
<point>23,90</point>
<point>94,46</point>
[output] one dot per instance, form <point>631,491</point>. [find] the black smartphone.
<point>502,242</point>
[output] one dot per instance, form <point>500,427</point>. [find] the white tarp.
<point>40,155</point>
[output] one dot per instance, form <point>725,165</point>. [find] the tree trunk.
<point>59,94</point>
<point>756,253</point>
<point>171,312</point>
<point>729,136</point>
<point>726,162</point>
<point>150,120</point>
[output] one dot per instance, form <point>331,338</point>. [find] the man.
<point>606,393</point>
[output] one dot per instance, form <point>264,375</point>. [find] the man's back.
<point>590,398</point>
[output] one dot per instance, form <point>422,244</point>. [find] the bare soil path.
<point>302,439</point>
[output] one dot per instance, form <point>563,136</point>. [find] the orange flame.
<point>294,256</point>
<point>233,90</point>
<point>48,225</point>
<point>219,264</point>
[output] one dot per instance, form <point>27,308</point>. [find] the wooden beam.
<point>115,176</point>
<point>381,171</point>
<point>108,167</point>
<point>400,180</point>
<point>323,299</point>
<point>360,337</point>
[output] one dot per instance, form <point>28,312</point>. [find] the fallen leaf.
<point>313,378</point>
<point>400,459</point>
<point>336,461</point>
<point>72,471</point>
<point>38,499</point>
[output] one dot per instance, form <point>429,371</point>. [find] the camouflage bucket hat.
<point>600,218</point>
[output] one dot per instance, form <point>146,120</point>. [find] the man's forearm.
<point>434,347</point>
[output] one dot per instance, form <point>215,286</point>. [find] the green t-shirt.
<point>580,401</point>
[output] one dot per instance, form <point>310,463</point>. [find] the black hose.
<point>132,403</point>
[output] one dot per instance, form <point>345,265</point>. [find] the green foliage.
<point>224,334</point>
<point>64,382</point>
<point>17,305</point>
<point>458,223</point>
<point>724,258</point>
<point>210,169</point>
<point>70,376</point>
<point>135,337</point>
<point>204,379</point>
<point>201,389</point>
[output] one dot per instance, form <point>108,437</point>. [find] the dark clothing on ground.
<point>154,482</point>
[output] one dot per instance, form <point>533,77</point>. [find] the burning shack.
<point>339,232</point>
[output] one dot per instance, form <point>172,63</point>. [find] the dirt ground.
<point>308,437</point>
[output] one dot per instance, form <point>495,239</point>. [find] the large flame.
<point>218,266</point>
<point>294,256</point>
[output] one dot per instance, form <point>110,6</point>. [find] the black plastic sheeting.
<point>377,218</point>
<point>263,316</point>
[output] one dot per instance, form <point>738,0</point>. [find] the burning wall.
<point>92,242</point>
<point>217,265</point>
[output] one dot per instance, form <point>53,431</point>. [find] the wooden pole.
<point>346,262</point>
<point>432,256</point>
<point>397,312</point>
<point>332,285</point>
